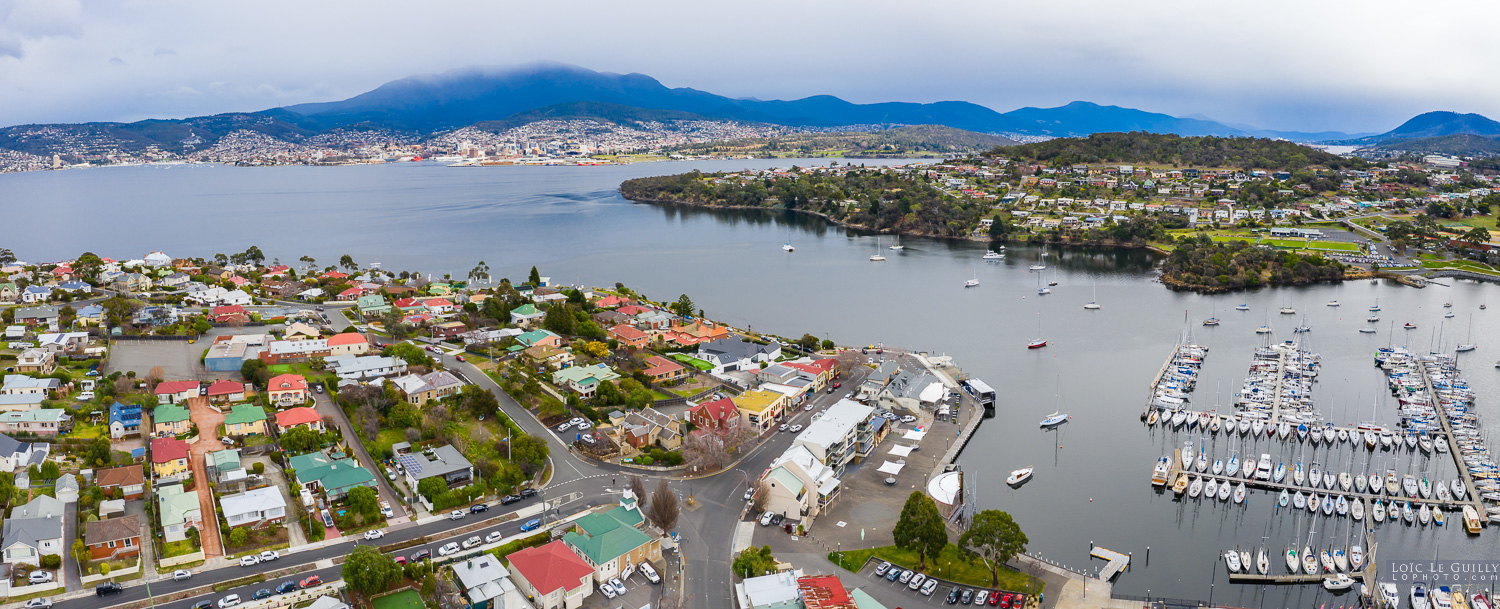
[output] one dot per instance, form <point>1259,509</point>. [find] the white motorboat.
<point>1440,444</point>
<point>1389,595</point>
<point>1232,560</point>
<point>1367,330</point>
<point>993,255</point>
<point>1160,471</point>
<point>1442,598</point>
<point>1333,303</point>
<point>1338,583</point>
<point>1419,596</point>
<point>1020,475</point>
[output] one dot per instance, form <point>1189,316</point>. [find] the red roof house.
<point>824,592</point>
<point>662,369</point>
<point>300,415</point>
<point>166,450</point>
<point>229,314</point>
<point>171,392</point>
<point>541,571</point>
<point>718,415</point>
<point>611,301</point>
<point>629,336</point>
<point>287,389</point>
<point>632,310</point>
<point>334,275</point>
<point>228,391</point>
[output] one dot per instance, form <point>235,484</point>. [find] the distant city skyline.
<point>1279,65</point>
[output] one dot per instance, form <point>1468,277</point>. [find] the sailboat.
<point>1058,417</point>
<point>1213,320</point>
<point>1469,344</point>
<point>1040,264</point>
<point>1302,328</point>
<point>1242,307</point>
<point>1375,308</point>
<point>1262,563</point>
<point>787,247</point>
<point>972,282</point>
<point>1039,342</point>
<point>1093,303</point>
<point>876,257</point>
<point>898,247</point>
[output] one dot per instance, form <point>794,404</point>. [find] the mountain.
<point>1441,124</point>
<point>1461,144</point>
<point>470,95</point>
<point>614,113</point>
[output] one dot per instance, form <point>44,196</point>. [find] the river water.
<point>1092,481</point>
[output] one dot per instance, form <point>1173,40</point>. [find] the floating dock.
<point>1117,562</point>
<point>1464,474</point>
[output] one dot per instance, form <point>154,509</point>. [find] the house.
<point>660,369</point>
<point>174,280</point>
<point>236,297</point>
<point>760,408</point>
<point>410,305</point>
<point>584,380</point>
<point>170,420</point>
<point>16,455</point>
<point>176,392</point>
<point>224,466</point>
<point>35,293</point>
<point>774,591</point>
<point>287,389</point>
<point>449,329</point>
<point>649,427</point>
<point>294,351</point>
<point>113,538</point>
<point>824,592</point>
<point>36,360</point>
<point>551,575</point>
<point>21,401</point>
<point>611,540</point>
<point>90,315</point>
<point>63,342</point>
<point>299,331</point>
<point>179,511</point>
<point>32,317</point>
<point>731,354</point>
<point>489,336</point>
<point>486,583</point>
<point>551,357</point>
<point>133,282</point>
<point>229,352</point>
<point>658,321</point>
<point>124,420</point>
<point>348,343</point>
<point>539,337</point>
<point>629,336</point>
<point>229,314</point>
<point>525,315</point>
<point>169,457</point>
<point>300,415</point>
<point>717,416</point>
<point>43,422</point>
<point>373,305</point>
<point>225,391</point>
<point>612,301</point>
<point>254,508</point>
<point>129,480</point>
<point>427,387</point>
<point>245,420</point>
<point>817,372</point>
<point>33,530</point>
<point>206,296</point>
<point>9,293</point>
<point>444,462</point>
<point>365,367</point>
<point>333,474</point>
<point>841,434</point>
<point>799,486</point>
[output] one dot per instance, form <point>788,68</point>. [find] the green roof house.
<point>245,420</point>
<point>373,304</point>
<point>170,419</point>
<point>584,380</point>
<point>179,511</point>
<point>539,337</point>
<point>334,473</point>
<point>611,540</point>
<point>525,314</point>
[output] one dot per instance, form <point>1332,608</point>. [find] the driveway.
<point>208,420</point>
<point>71,572</point>
<point>326,407</point>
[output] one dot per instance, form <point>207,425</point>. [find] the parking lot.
<point>179,359</point>
<point>890,580</point>
<point>638,593</point>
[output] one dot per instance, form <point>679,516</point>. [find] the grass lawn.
<point>178,548</point>
<point>1289,244</point>
<point>951,565</point>
<point>88,432</point>
<point>384,440</point>
<point>1466,265</point>
<point>405,599</point>
<point>662,395</point>
<point>692,361</point>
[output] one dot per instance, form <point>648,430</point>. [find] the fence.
<point>181,560</point>
<point>150,337</point>
<point>89,580</point>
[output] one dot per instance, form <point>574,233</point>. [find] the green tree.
<point>1477,235</point>
<point>528,451</point>
<point>255,371</point>
<point>480,273</point>
<point>754,562</point>
<point>300,439</point>
<point>535,278</point>
<point>347,262</point>
<point>238,537</point>
<point>684,306</point>
<point>87,266</point>
<point>412,354</point>
<point>559,320</point>
<point>995,536</point>
<point>363,499</point>
<point>368,571</point>
<point>920,528</point>
<point>254,255</point>
<point>50,470</point>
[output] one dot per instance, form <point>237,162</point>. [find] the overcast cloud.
<point>1305,65</point>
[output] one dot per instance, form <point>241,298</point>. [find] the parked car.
<point>894,573</point>
<point>290,586</point>
<point>421,555</point>
<point>227,441</point>
<point>765,519</point>
<point>39,603</point>
<point>269,555</point>
<point>478,507</point>
<point>40,577</point>
<point>783,427</point>
<point>906,577</point>
<point>471,542</point>
<point>749,494</point>
<point>509,499</point>
<point>837,384</point>
<point>929,587</point>
<point>777,519</point>
<point>882,568</point>
<point>181,575</point>
<point>953,596</point>
<point>229,601</point>
<point>1005,601</point>
<point>310,582</point>
<point>204,604</point>
<point>650,572</point>
<point>400,560</point>
<point>448,548</point>
<point>916,582</point>
<point>532,525</point>
<point>108,588</point>
<point>796,428</point>
<point>374,534</point>
<point>86,396</point>
<point>260,594</point>
<point>564,427</point>
<point>456,515</point>
<point>619,587</point>
<point>318,388</point>
<point>579,422</point>
<point>494,536</point>
<point>385,510</point>
<point>967,596</point>
<point>607,590</point>
<point>830,388</point>
<point>460,358</point>
<point>249,561</point>
<point>527,493</point>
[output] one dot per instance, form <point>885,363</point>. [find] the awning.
<point>901,451</point>
<point>829,487</point>
<point>891,468</point>
<point>932,393</point>
<point>914,435</point>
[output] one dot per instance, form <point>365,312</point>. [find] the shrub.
<point>51,561</point>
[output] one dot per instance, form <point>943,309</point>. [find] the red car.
<point>1018,600</point>
<point>994,598</point>
<point>310,582</point>
<point>837,384</point>
<point>460,358</point>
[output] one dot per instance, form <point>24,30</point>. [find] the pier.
<point>1256,578</point>
<point>1156,381</point>
<point>1117,562</point>
<point>1472,496</point>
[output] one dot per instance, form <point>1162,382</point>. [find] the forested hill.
<point>1167,149</point>
<point>912,140</point>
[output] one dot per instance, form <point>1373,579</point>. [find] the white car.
<point>229,601</point>
<point>269,555</point>
<point>619,587</point>
<point>796,428</point>
<point>493,537</point>
<point>749,494</point>
<point>39,577</point>
<point>471,542</point>
<point>456,515</point>
<point>564,427</point>
<point>448,548</point>
<point>765,519</point>
<point>249,561</point>
<point>39,603</point>
<point>607,589</point>
<point>809,406</point>
<point>181,574</point>
<point>374,534</point>
<point>783,427</point>
<point>579,422</point>
<point>908,419</point>
<point>650,572</point>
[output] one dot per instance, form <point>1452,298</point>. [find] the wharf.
<point>1292,487</point>
<point>1156,381</point>
<point>1117,562</point>
<point>1255,578</point>
<point>1454,451</point>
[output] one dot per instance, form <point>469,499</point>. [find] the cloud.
<point>163,52</point>
<point>22,21</point>
<point>116,61</point>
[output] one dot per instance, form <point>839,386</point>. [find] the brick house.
<point>113,538</point>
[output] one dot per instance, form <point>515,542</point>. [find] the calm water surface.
<point>1093,476</point>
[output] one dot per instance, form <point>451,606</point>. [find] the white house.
<point>237,297</point>
<point>487,583</point>
<point>33,529</point>
<point>253,507</point>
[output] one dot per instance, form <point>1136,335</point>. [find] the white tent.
<point>914,435</point>
<point>932,393</point>
<point>901,451</point>
<point>891,468</point>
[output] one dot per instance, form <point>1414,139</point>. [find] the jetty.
<point>1117,562</point>
<point>1472,497</point>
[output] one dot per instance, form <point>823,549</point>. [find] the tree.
<point>255,371</point>
<point>529,452</point>
<point>638,488</point>
<point>559,319</point>
<point>368,571</point>
<point>6,256</point>
<point>50,470</point>
<point>920,528</point>
<point>87,265</point>
<point>684,306</point>
<point>754,562</point>
<point>254,255</point>
<point>309,262</point>
<point>808,342</point>
<point>703,452</point>
<point>994,535</point>
<point>432,487</point>
<point>535,278</point>
<point>480,273</point>
<point>347,262</point>
<point>238,537</point>
<point>1477,235</point>
<point>596,348</point>
<point>363,500</point>
<point>663,511</point>
<point>478,400</point>
<point>300,439</point>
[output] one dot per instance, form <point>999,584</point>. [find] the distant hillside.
<point>1082,118</point>
<point>166,135</point>
<point>1458,144</point>
<point>601,111</point>
<point>889,142</point>
<point>1168,149</point>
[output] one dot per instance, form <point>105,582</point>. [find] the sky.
<point>1353,66</point>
